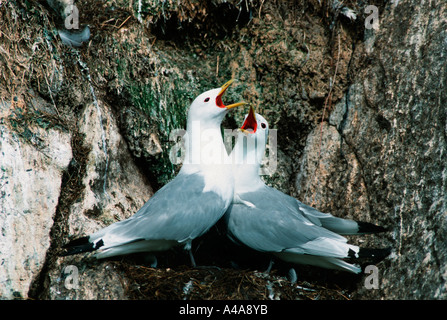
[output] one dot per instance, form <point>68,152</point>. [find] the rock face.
<point>114,190</point>
<point>31,165</point>
<point>391,130</point>
<point>401,139</point>
<point>85,133</point>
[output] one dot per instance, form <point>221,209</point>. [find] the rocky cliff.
<point>87,133</point>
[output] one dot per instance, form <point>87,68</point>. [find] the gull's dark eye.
<point>263,125</point>
<point>207,99</point>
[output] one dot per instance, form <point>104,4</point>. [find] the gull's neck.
<point>204,146</point>
<point>247,156</point>
<point>205,154</point>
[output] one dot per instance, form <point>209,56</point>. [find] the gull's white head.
<point>208,107</point>
<point>252,138</point>
<point>256,127</point>
<point>203,139</point>
<point>249,151</point>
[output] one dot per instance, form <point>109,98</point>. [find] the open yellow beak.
<point>221,92</point>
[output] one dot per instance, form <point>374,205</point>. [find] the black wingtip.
<point>80,245</point>
<point>77,242</point>
<point>376,254</point>
<point>366,227</point>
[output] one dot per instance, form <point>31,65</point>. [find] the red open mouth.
<point>250,124</point>
<point>219,102</point>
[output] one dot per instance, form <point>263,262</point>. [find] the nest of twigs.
<point>212,283</point>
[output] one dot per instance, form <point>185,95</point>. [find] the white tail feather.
<point>324,262</point>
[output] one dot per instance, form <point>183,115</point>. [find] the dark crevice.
<point>340,128</point>
<point>145,162</point>
<point>170,26</point>
<point>71,188</point>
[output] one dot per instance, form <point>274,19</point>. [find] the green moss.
<point>164,97</point>
<point>24,123</point>
<point>167,115</point>
<point>156,9</point>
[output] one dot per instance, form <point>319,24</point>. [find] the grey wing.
<point>328,221</point>
<point>270,225</point>
<point>179,211</point>
<point>325,220</point>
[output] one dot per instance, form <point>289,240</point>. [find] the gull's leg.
<point>269,268</point>
<point>193,262</point>
<point>187,247</point>
<point>292,276</point>
<point>150,259</point>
